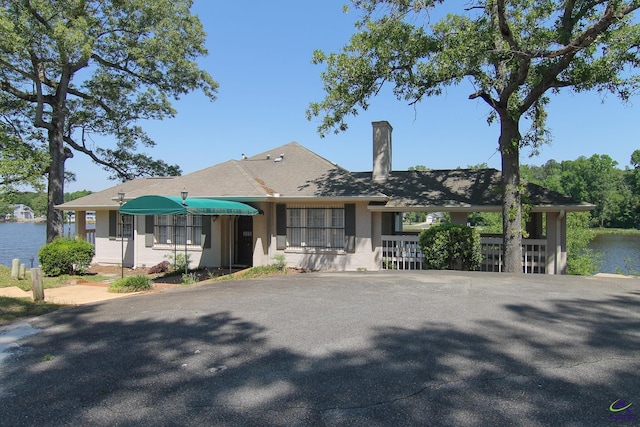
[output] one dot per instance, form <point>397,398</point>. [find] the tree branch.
<point>7,87</point>
<point>36,15</point>
<point>590,34</point>
<point>503,25</point>
<point>486,98</point>
<point>93,156</point>
<point>566,54</point>
<point>40,99</point>
<point>126,70</point>
<point>15,69</point>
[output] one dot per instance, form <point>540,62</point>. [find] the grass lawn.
<point>630,231</point>
<point>14,308</point>
<point>49,282</point>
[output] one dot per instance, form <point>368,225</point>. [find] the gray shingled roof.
<point>460,189</point>
<point>299,173</point>
<point>293,171</point>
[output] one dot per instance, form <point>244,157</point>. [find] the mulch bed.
<point>170,278</point>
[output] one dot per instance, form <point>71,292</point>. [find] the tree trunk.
<point>511,195</point>
<point>59,154</point>
<point>55,192</point>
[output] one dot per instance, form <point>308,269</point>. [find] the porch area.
<point>404,253</point>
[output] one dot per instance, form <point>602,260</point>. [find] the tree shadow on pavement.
<point>559,363</point>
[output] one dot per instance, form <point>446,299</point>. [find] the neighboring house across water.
<point>315,213</point>
<point>21,213</point>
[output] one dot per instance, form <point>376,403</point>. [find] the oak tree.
<point>515,54</point>
<point>88,69</point>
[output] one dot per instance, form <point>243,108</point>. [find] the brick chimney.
<point>381,150</point>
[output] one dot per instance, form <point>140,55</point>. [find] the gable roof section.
<point>108,198</point>
<point>300,173</point>
<point>460,190</point>
<point>303,173</point>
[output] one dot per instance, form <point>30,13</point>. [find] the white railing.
<point>90,236</point>
<point>401,253</point>
<point>404,253</point>
<point>534,255</point>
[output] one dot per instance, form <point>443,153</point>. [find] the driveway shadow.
<point>561,362</point>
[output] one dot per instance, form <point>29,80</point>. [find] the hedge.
<point>451,247</point>
<point>65,256</point>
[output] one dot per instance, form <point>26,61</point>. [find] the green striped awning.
<point>171,205</point>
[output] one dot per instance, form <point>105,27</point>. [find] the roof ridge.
<point>250,179</point>
<point>298,146</point>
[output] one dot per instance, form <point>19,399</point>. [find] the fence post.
<point>15,268</point>
<point>37,285</point>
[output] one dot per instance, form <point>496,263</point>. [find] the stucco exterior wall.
<point>108,251</point>
<point>150,256</point>
<point>361,259</point>
<point>262,234</point>
<point>136,254</point>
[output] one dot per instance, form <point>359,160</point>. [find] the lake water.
<point>617,251</point>
<point>23,240</point>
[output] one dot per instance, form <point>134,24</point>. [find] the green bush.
<point>65,256</point>
<point>189,279</point>
<point>131,284</point>
<point>581,260</point>
<point>279,262</point>
<point>450,247</point>
<point>179,262</point>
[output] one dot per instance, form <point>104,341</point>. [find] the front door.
<point>245,241</point>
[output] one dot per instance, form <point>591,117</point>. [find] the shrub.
<point>180,262</point>
<point>131,284</point>
<point>189,279</point>
<point>581,260</point>
<point>162,267</point>
<point>65,256</point>
<point>451,246</point>
<point>279,262</point>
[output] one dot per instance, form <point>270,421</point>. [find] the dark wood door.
<point>245,241</point>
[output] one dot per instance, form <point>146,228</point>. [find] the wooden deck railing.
<point>404,253</point>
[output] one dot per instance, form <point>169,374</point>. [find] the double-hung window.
<point>178,229</point>
<point>124,226</point>
<point>315,227</point>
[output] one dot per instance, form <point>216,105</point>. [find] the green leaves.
<point>84,69</point>
<point>105,64</point>
<point>513,52</point>
<point>23,155</point>
<point>451,247</point>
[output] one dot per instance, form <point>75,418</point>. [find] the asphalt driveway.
<point>387,348</point>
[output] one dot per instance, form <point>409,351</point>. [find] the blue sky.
<point>260,54</point>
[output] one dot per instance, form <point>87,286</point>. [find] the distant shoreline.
<point>37,221</point>
<point>19,220</point>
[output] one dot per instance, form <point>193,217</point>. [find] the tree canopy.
<point>514,53</point>
<point>81,70</point>
<point>23,154</point>
<point>597,179</point>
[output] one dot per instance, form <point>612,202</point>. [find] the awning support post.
<point>230,244</point>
